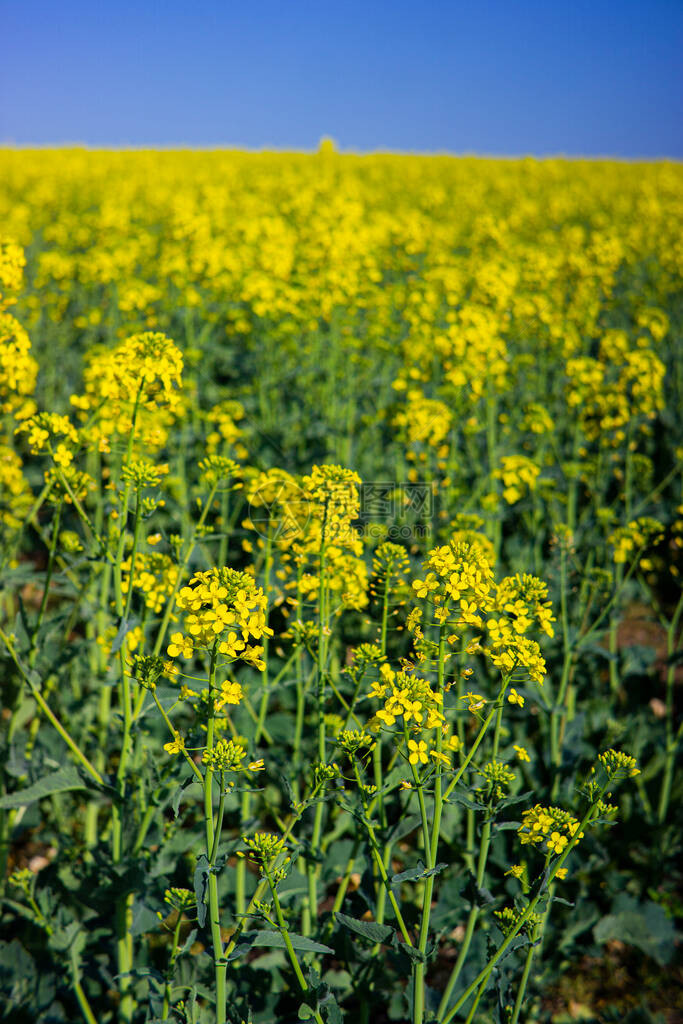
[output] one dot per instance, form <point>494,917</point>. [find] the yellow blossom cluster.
<point>413,712</point>
<point>509,917</point>
<point>16,497</point>
<point>460,586</point>
<point>155,576</point>
<point>640,533</point>
<point>618,764</point>
<point>143,473</point>
<point>224,610</point>
<point>333,503</point>
<point>609,392</point>
<point>537,419</point>
<point>292,240</point>
<point>12,263</point>
<point>467,528</point>
<point>225,433</point>
<point>497,779</point>
<point>228,756</point>
<point>456,572</point>
<point>518,475</point>
<point>264,845</point>
<point>549,827</point>
<point>18,368</point>
<point>523,598</point>
<point>390,563</point>
<point>66,481</point>
<point>53,433</point>
<point>424,421</point>
<point>138,380</point>
<point>310,520</point>
<point>18,371</point>
<point>407,697</point>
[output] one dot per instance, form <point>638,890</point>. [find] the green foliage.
<point>644,925</point>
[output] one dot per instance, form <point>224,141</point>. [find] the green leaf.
<point>144,918</point>
<point>413,874</point>
<point>471,805</point>
<point>366,929</point>
<point>575,926</point>
<point>332,1011</point>
<point>643,925</point>
<point>125,627</point>
<point>240,950</point>
<point>189,942</point>
<point>271,937</point>
<point>201,884</point>
<point>179,793</point>
<point>65,938</point>
<point>404,827</point>
<point>412,952</point>
<point>57,782</point>
<point>519,798</point>
<point>518,942</point>
<point>18,976</point>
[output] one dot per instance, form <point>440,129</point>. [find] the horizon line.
<point>179,147</point>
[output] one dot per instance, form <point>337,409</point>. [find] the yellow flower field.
<point>341,532</point>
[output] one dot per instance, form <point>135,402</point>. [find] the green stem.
<point>528,960</point>
<point>574,482</point>
<point>298,722</point>
<point>494,484</point>
<point>33,651</point>
<point>480,736</point>
<point>557,723</point>
<point>220,962</point>
<point>79,993</point>
<point>89,525</point>
<point>481,871</point>
<point>219,822</point>
<point>671,736</point>
<point>240,868</point>
<point>312,869</point>
<point>284,932</point>
<point>344,884</point>
<point>555,745</point>
<point>124,910</point>
<point>167,720</point>
<point>124,904</point>
<point>182,565</point>
<point>524,917</point>
<point>263,884</point>
<point>264,640</point>
<point>377,765</point>
<point>374,846</point>
<point>98,666</point>
<point>613,643</point>
<point>431,848</point>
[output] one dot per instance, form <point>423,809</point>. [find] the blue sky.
<point>497,77</point>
